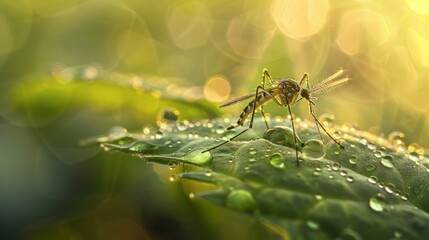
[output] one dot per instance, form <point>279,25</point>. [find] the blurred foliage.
<point>75,68</point>
<point>372,189</point>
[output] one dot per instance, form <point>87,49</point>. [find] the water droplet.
<point>389,188</point>
<point>353,160</point>
<point>158,135</point>
<point>336,166</point>
<point>277,161</point>
<point>173,178</point>
<point>220,129</point>
<point>312,225</point>
<point>343,173</point>
<point>280,135</point>
<point>172,165</point>
<point>370,168</point>
<point>208,173</point>
<point>196,156</point>
<point>252,151</point>
<point>404,197</point>
<point>376,203</point>
<point>142,147</point>
<point>372,146</point>
<point>316,173</point>
<point>318,197</point>
<point>252,160</point>
<point>191,195</point>
<point>363,141</point>
<point>240,200</point>
<point>372,179</point>
<point>350,179</point>
<point>386,161</point>
<point>377,154</point>
<point>337,151</point>
<point>331,177</point>
<point>313,149</point>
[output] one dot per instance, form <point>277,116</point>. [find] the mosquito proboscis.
<point>285,92</point>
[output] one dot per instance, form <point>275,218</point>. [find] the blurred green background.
<point>73,69</point>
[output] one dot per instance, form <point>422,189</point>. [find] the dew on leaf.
<point>252,151</point>
<point>252,160</point>
<point>240,200</point>
<point>173,178</point>
<point>277,161</point>
<point>386,161</point>
<point>312,225</point>
<point>372,146</point>
<point>370,168</point>
<point>363,141</point>
<point>172,165</point>
<point>196,156</point>
<point>350,179</point>
<point>313,149</point>
<point>208,173</point>
<point>280,135</point>
<point>318,197</point>
<point>343,173</point>
<point>372,179</point>
<point>353,160</point>
<point>220,129</point>
<point>377,154</point>
<point>142,146</point>
<point>376,202</point>
<point>336,166</point>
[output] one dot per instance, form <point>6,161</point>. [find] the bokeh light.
<point>299,19</point>
<point>360,30</point>
<point>217,89</point>
<point>419,6</point>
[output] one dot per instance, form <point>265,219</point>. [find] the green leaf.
<point>373,189</point>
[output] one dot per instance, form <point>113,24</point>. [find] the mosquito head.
<point>305,94</point>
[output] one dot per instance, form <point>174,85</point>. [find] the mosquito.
<point>285,92</point>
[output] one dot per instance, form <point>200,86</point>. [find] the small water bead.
<point>404,197</point>
<point>316,173</point>
<point>198,157</point>
<point>390,188</point>
<point>350,179</point>
<point>208,173</point>
<point>167,118</point>
<point>220,129</point>
<point>376,203</point>
<point>336,166</point>
<point>241,200</point>
<point>313,149</point>
<point>172,165</point>
<point>331,176</point>
<point>370,168</point>
<point>363,141</point>
<point>343,173</point>
<point>377,154</point>
<point>318,197</point>
<point>353,160</point>
<point>352,145</point>
<point>337,151</point>
<point>386,161</point>
<point>372,146</point>
<point>252,151</point>
<point>312,225</point>
<point>280,135</point>
<point>252,160</point>
<point>277,161</point>
<point>173,178</point>
<point>372,179</point>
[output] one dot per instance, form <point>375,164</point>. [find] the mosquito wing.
<point>332,82</point>
<point>237,100</point>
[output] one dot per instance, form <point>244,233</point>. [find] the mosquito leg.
<point>265,119</point>
<point>294,134</point>
<point>318,123</point>
<point>245,130</point>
